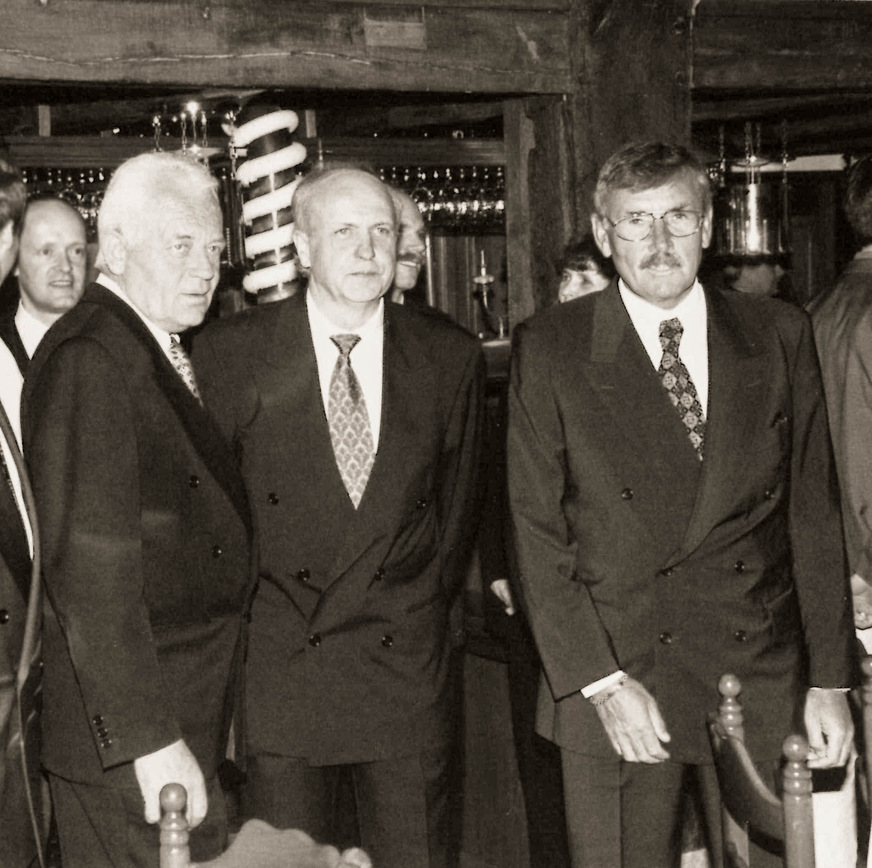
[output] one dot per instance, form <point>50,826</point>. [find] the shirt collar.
<point>30,329</point>
<point>323,328</point>
<point>690,310</point>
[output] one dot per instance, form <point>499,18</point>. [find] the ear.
<point>706,228</point>
<point>601,234</point>
<point>301,242</point>
<point>113,252</point>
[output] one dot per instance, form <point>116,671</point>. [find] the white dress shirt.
<point>30,329</point>
<point>11,382</point>
<point>367,358</point>
<point>693,349</point>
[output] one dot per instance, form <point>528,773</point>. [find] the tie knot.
<point>345,344</point>
<point>671,331</point>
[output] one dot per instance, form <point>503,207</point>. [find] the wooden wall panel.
<point>252,43</point>
<point>782,45</point>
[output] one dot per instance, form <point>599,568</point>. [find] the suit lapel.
<point>201,429</point>
<point>649,449</point>
<point>737,384</point>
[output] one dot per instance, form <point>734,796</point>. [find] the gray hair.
<point>142,185</point>
<point>13,197</point>
<point>645,165</point>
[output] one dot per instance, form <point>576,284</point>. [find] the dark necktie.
<point>678,384</point>
<point>13,536</point>
<point>182,364</point>
<point>350,431</point>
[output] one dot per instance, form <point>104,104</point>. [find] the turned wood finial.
<point>730,709</point>
<point>174,849</point>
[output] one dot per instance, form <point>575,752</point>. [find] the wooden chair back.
<point>257,845</point>
<point>747,802</point>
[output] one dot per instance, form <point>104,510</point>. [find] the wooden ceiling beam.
<point>782,45</point>
<point>270,43</point>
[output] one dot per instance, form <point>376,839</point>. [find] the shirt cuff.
<point>603,684</point>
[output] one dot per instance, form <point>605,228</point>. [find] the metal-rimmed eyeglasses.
<point>679,223</point>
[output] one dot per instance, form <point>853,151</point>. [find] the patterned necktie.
<point>350,431</point>
<point>182,364</point>
<point>678,384</point>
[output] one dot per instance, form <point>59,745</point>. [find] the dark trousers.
<point>630,815</point>
<point>403,804</point>
<point>104,827</point>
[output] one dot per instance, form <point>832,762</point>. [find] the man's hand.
<point>501,589</point>
<point>634,724</point>
<point>173,764</point>
<point>829,727</point>
<point>862,594</point>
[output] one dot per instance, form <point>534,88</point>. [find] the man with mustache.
<point>411,244</point>
<point>676,517</point>
<point>52,261</point>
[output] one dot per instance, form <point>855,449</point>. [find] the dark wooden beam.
<point>631,80</point>
<point>239,43</point>
<point>782,45</point>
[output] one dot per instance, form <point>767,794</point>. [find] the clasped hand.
<point>634,724</point>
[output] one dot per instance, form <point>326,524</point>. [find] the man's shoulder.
<point>249,323</point>
<point>431,326</point>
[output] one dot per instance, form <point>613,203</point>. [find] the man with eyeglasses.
<point>676,518</point>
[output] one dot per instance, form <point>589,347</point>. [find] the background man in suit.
<point>21,814</point>
<point>676,518</point>
<point>52,261</point>
<point>145,529</point>
<point>364,525</point>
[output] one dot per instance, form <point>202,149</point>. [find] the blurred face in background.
<point>574,283</point>
<point>52,259</point>
<point>411,241</point>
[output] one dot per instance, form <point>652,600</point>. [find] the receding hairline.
<point>34,206</point>
<point>315,180</point>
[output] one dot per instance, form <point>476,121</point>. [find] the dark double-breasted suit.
<point>146,549</point>
<point>348,656</point>
<point>635,555</point>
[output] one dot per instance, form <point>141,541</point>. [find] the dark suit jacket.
<point>9,332</point>
<point>349,647</point>
<point>634,555</point>
<point>146,552</point>
<point>842,321</point>
<point>21,810</point>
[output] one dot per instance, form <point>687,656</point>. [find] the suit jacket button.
<point>379,574</point>
<point>102,732</point>
<point>627,494</point>
<point>739,566</point>
<point>194,481</point>
<point>666,638</point>
<point>387,641</point>
<point>4,616</point>
<point>740,636</point>
<point>422,503</point>
<point>217,551</point>
<point>315,640</point>
<point>667,573</point>
<point>769,494</point>
<point>273,498</point>
<point>304,575</point>
<point>106,742</point>
<point>97,720</point>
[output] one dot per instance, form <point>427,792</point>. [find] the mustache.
<point>661,258</point>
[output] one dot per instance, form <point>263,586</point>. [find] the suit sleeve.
<point>572,642</point>
<point>819,568</point>
<point>81,445</point>
<point>853,429</point>
<point>459,473</point>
